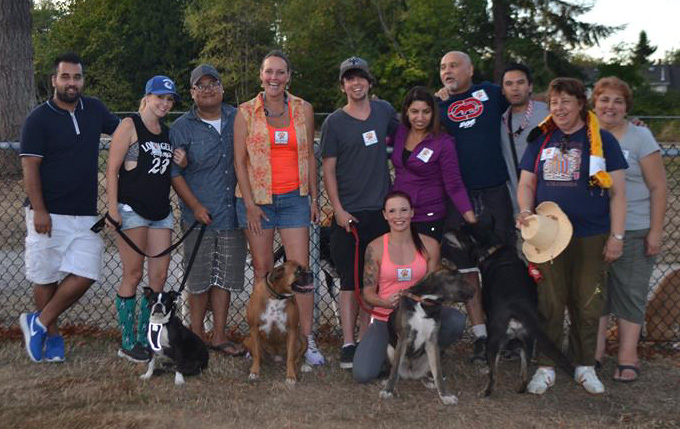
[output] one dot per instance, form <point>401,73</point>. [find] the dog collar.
<point>154,336</point>
<point>277,295</point>
<point>422,300</point>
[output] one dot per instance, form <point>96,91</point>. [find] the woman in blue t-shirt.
<point>580,168</point>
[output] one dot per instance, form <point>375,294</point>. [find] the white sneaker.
<point>313,356</point>
<point>586,377</point>
<point>543,378</point>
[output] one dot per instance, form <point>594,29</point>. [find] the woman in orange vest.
<point>277,182</point>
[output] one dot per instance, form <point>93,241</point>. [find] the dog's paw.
<point>291,381</point>
<point>179,379</point>
<point>429,383</point>
<point>384,394</point>
<point>306,368</point>
<point>253,377</point>
<point>449,399</point>
<point>146,376</point>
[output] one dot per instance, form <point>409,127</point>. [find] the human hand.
<point>314,211</point>
<point>202,215</point>
<point>343,218</point>
<point>653,243</point>
<point>613,249</point>
<point>115,215</point>
<point>442,94</point>
<point>179,157</point>
<point>521,219</point>
<point>254,216</point>
<point>42,221</point>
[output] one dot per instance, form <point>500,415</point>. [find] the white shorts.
<point>71,249</point>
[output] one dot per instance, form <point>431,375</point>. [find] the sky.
<point>659,18</point>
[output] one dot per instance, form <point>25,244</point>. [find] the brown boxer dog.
<point>273,318</point>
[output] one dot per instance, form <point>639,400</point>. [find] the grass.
<point>94,388</point>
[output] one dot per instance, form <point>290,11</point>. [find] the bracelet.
<point>617,236</point>
<point>525,211</point>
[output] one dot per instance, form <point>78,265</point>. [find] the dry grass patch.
<point>95,388</point>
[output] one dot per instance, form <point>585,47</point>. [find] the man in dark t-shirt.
<point>472,114</point>
<point>59,157</point>
<point>356,177</point>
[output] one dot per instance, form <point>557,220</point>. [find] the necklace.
<point>525,120</point>
<point>269,114</point>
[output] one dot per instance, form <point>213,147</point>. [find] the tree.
<point>542,33</point>
<point>642,50</point>
<point>16,76</point>
<point>234,36</point>
<point>123,43</point>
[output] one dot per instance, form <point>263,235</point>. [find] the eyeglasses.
<point>211,86</point>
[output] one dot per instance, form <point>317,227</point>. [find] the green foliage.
<point>642,50</point>
<point>234,36</point>
<point>122,43</point>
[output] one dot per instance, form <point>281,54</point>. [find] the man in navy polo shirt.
<point>472,114</point>
<point>59,157</point>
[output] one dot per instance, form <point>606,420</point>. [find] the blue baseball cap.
<point>161,85</point>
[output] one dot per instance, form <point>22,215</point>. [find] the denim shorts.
<point>130,219</point>
<point>289,210</point>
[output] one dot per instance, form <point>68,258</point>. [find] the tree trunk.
<point>17,90</point>
<point>501,16</point>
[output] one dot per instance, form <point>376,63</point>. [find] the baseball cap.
<point>161,85</point>
<point>203,70</point>
<point>355,63</point>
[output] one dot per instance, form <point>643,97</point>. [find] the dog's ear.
<point>173,295</point>
<point>147,291</point>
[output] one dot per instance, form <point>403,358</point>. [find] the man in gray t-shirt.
<point>356,178</point>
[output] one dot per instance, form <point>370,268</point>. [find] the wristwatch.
<point>618,236</point>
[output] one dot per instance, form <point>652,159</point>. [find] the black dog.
<point>414,327</point>
<point>509,298</point>
<point>170,339</point>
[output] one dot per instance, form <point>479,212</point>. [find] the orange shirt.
<point>284,158</point>
<point>395,278</point>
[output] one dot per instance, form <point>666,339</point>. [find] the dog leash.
<point>99,225</point>
<point>357,292</point>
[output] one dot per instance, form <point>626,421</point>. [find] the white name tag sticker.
<point>597,163</point>
<point>480,95</point>
<point>403,274</point>
<point>548,153</point>
<point>370,138</point>
<point>280,137</point>
<point>425,154</point>
<point>625,154</point>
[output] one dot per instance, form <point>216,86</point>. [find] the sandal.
<point>229,348</point>
<point>621,368</point>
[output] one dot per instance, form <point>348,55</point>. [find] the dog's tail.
<point>529,318</point>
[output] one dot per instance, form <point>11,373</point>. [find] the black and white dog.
<point>509,298</point>
<point>414,327</point>
<point>170,339</point>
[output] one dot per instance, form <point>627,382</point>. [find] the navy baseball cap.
<point>160,85</point>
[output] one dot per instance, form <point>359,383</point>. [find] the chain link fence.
<point>96,308</point>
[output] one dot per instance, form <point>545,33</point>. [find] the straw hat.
<point>546,234</point>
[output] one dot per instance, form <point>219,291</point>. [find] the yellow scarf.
<point>601,178</point>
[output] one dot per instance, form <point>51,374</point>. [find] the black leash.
<point>97,227</point>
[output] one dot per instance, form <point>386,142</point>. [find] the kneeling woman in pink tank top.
<point>395,262</point>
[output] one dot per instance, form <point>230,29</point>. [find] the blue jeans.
<point>289,210</point>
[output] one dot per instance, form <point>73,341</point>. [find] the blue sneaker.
<point>54,348</point>
<point>34,335</point>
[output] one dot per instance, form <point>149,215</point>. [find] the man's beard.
<point>64,97</point>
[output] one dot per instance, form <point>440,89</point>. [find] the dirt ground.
<point>95,388</point>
